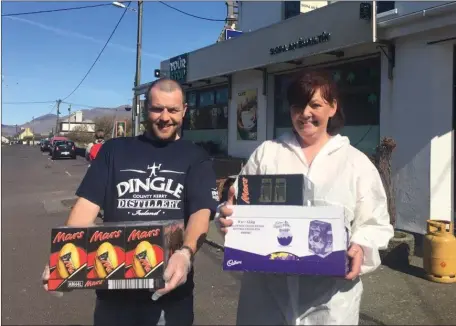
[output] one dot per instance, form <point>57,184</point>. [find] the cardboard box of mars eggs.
<point>306,240</point>
<point>113,256</point>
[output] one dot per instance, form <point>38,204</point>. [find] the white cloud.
<point>67,33</point>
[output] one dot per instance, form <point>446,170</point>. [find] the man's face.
<point>166,112</point>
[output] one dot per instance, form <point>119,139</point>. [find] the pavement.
<point>37,194</point>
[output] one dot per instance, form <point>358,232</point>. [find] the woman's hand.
<point>225,211</point>
<point>356,253</point>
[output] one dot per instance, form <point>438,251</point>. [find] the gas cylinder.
<point>439,256</point>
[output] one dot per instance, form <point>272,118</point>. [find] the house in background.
<point>76,122</point>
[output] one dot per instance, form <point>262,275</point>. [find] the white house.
<point>394,67</point>
<point>75,121</point>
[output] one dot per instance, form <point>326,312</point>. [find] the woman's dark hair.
<point>303,88</point>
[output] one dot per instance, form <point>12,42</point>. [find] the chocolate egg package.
<point>276,230</point>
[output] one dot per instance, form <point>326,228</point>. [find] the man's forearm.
<point>196,230</point>
<point>83,214</point>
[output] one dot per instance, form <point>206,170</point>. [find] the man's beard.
<point>151,126</point>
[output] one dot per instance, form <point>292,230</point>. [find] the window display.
<point>207,109</point>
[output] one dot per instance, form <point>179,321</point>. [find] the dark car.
<point>45,145</point>
<point>63,149</point>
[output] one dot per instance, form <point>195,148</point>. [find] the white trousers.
<point>298,300</point>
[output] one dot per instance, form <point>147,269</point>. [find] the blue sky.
<point>44,56</point>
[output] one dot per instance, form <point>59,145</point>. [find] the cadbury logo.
<point>139,235</point>
<point>103,236</point>
<point>62,236</point>
<point>245,191</point>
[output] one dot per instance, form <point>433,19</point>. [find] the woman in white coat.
<point>342,175</point>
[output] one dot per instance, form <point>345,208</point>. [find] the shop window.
<point>359,88</point>
<point>191,99</point>
<point>291,9</point>
<point>384,6</point>
<point>221,96</point>
<point>206,98</point>
<point>210,111</point>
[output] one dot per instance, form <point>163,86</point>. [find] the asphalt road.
<point>33,188</point>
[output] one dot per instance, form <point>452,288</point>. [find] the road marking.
<point>68,173</point>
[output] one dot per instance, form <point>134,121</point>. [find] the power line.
<point>55,10</point>
<point>36,102</point>
<point>191,15</point>
<point>101,52</point>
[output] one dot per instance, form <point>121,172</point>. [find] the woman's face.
<point>311,122</point>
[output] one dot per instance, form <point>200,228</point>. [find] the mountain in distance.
<point>45,123</point>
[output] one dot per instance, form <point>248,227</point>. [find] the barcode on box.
<point>130,284</point>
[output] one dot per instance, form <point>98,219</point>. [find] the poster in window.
<point>247,108</point>
<point>120,129</point>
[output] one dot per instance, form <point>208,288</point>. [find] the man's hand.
<point>45,278</point>
<point>179,266</point>
<point>356,253</point>
<point>225,211</point>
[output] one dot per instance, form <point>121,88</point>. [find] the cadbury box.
<point>274,189</point>
<point>148,247</point>
<point>305,240</point>
<point>68,259</point>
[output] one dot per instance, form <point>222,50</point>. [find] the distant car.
<point>45,145</point>
<point>63,149</point>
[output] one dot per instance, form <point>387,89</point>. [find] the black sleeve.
<point>201,187</point>
<point>93,186</point>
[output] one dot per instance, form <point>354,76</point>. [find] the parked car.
<point>45,145</point>
<point>53,140</point>
<point>63,149</point>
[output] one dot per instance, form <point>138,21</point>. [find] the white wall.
<point>417,113</point>
<point>89,127</point>
<point>242,81</point>
<point>257,14</point>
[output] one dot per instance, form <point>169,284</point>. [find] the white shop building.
<point>396,74</point>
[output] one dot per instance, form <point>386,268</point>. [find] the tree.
<point>383,157</point>
<point>80,135</point>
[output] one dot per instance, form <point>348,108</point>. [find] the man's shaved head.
<point>164,85</point>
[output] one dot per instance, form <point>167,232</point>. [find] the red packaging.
<point>68,260</point>
<point>113,256</point>
<point>148,248</point>
<point>105,255</point>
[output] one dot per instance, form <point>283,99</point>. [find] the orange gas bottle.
<point>440,252</point>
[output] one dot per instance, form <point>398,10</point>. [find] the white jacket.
<point>342,175</point>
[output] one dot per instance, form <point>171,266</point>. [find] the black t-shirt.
<point>141,179</point>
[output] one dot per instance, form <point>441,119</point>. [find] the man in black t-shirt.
<point>154,176</point>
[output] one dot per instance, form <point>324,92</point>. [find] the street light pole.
<point>136,113</point>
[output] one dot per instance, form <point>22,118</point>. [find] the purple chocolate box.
<point>288,240</point>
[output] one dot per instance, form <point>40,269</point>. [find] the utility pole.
<point>57,121</point>
<point>136,99</point>
<point>69,118</point>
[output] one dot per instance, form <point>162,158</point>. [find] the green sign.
<point>178,68</point>
<point>301,43</point>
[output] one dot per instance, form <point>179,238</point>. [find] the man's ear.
<point>185,109</point>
